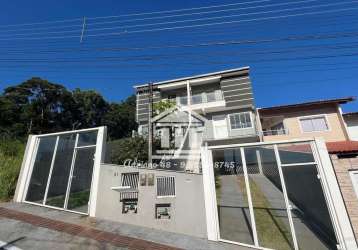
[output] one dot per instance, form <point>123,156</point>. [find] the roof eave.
<point>194,77</point>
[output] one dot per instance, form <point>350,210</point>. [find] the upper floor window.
<point>314,124</point>
<point>240,120</point>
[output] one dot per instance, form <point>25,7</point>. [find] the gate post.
<point>339,215</point>
<point>209,194</point>
<point>25,169</point>
<point>98,159</point>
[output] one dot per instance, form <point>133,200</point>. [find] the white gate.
<point>61,170</point>
<point>281,195</point>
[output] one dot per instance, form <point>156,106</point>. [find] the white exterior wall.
<point>352,126</point>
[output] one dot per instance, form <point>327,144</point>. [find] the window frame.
<point>324,116</point>
<point>239,113</point>
<point>354,184</point>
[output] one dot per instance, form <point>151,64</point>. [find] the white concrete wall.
<point>352,126</point>
<point>187,207</point>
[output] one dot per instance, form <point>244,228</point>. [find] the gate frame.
<point>29,160</point>
<point>329,183</point>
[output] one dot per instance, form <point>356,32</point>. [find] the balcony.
<point>204,100</point>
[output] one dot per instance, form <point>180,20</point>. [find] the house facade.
<point>217,168</point>
<point>224,98</point>
<point>305,120</point>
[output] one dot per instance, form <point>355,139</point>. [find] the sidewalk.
<point>43,228</point>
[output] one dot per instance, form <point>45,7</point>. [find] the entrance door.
<point>220,126</point>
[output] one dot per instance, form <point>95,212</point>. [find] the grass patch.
<point>11,154</point>
<point>272,232</point>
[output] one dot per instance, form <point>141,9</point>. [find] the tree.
<point>38,106</point>
<point>163,105</point>
<point>39,103</point>
<point>90,107</point>
<point>120,118</point>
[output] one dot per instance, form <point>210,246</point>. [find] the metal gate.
<point>60,170</point>
<point>275,196</point>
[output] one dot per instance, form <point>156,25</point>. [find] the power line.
<point>220,23</point>
<point>252,51</point>
<point>191,20</point>
<point>200,13</point>
<point>223,17</point>
<point>179,10</point>
<point>184,27</point>
<point>41,23</point>
<point>203,44</point>
<point>206,32</point>
<point>134,14</point>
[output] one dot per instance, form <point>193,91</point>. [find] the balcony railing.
<point>275,132</point>
<point>204,97</point>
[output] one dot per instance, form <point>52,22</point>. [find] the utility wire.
<point>252,51</point>
<point>179,10</point>
<point>201,13</point>
<point>208,31</point>
<point>185,26</point>
<point>220,23</point>
<point>189,20</point>
<point>134,14</point>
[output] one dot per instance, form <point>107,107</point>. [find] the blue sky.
<point>282,70</point>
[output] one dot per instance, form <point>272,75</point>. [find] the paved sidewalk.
<point>82,231</point>
<point>54,229</point>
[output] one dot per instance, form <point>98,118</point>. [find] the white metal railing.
<point>204,97</point>
<point>275,132</point>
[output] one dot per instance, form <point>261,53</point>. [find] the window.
<point>354,178</point>
<point>240,120</point>
<point>162,211</point>
<point>313,124</point>
<point>165,186</point>
<point>129,198</point>
<point>130,180</point>
<point>129,206</point>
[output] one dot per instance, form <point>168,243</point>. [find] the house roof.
<point>342,147</point>
<point>311,103</point>
<point>238,70</point>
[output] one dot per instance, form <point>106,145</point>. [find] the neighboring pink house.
<point>321,118</point>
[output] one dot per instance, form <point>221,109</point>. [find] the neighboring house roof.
<point>342,147</point>
<point>232,71</point>
<point>311,103</point>
<point>350,114</point>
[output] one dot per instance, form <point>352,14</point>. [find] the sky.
<point>298,50</point>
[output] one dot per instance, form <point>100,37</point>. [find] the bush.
<point>11,153</point>
<point>133,148</point>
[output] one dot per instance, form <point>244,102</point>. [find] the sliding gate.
<point>58,169</point>
<point>274,196</point>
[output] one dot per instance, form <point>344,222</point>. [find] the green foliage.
<point>119,118</point>
<point>163,105</point>
<point>11,153</point>
<point>38,106</point>
<point>133,148</point>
